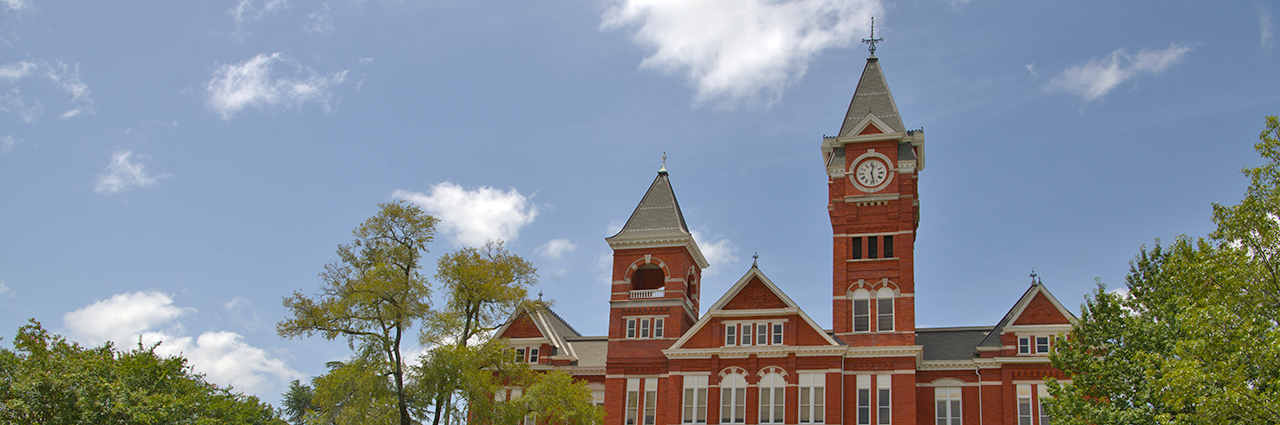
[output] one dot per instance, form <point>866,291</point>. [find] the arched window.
<point>648,276</point>
<point>772,387</point>
<point>884,310</point>
<point>861,310</point>
<point>733,399</point>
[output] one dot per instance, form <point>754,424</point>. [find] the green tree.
<point>298,401</point>
<point>47,380</point>
<point>371,295</point>
<point>1197,339</point>
<point>485,286</point>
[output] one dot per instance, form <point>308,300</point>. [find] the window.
<point>1042,345</point>
<point>730,334</point>
<point>519,355</point>
<point>777,334</point>
<point>631,328</point>
<point>695,399</point>
<point>948,405</point>
<point>856,244</point>
<point>883,395</point>
<point>533,355</point>
<point>657,327</point>
<point>650,400</point>
<point>864,400</point>
<point>644,328</point>
<point>884,310</point>
<point>1024,405</point>
<point>633,400</point>
<point>733,399</point>
<point>1024,345</point>
<point>762,334</point>
<point>772,387</point>
<point>747,334</point>
<point>811,397</point>
<point>871,247</point>
<point>888,246</point>
<point>1042,392</point>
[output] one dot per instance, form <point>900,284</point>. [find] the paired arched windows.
<point>733,398</point>
<point>864,300</point>
<point>772,397</point>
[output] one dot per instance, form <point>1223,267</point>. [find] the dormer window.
<point>1029,345</point>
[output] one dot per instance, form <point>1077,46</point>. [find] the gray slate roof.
<point>872,96</point>
<point>592,351</point>
<point>957,343</point>
<point>657,217</point>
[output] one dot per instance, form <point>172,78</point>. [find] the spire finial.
<point>539,295</point>
<point>871,42</point>
<point>664,163</point>
<point>755,258</point>
<point>1033,277</point>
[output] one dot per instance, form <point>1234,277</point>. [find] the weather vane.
<point>873,40</point>
<point>664,163</point>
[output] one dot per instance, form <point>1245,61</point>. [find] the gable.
<point>754,295</point>
<point>522,327</point>
<point>1041,311</point>
<point>871,129</point>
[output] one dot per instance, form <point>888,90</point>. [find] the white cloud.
<point>17,5</point>
<point>251,10</point>
<point>1264,26</point>
<point>249,83</point>
<point>1096,78</point>
<point>473,217</point>
<point>604,264</point>
<point>122,317</point>
<point>222,356</point>
<point>740,51</point>
<point>556,248</point>
<point>320,22</point>
<point>121,174</point>
<point>4,289</point>
<point>7,143</point>
<point>1031,67</point>
<point>63,77</point>
<point>719,253</point>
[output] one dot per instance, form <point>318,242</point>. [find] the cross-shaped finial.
<point>873,40</point>
<point>664,163</point>
<point>755,258</point>
<point>539,295</point>
<point>1033,277</point>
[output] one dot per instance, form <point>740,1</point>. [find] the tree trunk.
<point>399,374</point>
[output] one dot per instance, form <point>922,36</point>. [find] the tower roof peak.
<point>872,97</point>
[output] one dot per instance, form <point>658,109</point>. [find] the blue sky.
<point>172,170</point>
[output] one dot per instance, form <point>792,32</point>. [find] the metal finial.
<point>664,163</point>
<point>1033,277</point>
<point>539,295</point>
<point>755,258</point>
<point>873,40</point>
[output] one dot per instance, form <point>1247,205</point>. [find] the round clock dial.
<point>871,173</point>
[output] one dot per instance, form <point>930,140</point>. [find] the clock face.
<point>871,173</point>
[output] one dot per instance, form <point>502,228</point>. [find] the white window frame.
<point>863,297</point>
<point>948,397</point>
<point>644,328</point>
<point>777,333</point>
<point>863,400</point>
<point>1024,346</point>
<point>533,354</point>
<point>1025,416</point>
<point>733,399</point>
<point>650,408</point>
<point>730,334</point>
<point>695,399</point>
<point>811,387</point>
<point>884,297</point>
<point>658,327</point>
<point>631,328</point>
<point>1048,344</point>
<point>772,398</point>
<point>1042,392</point>
<point>632,414</point>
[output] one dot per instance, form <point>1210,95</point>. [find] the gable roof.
<point>549,324</point>
<point>950,343</point>
<point>1037,289</point>
<point>872,97</point>
<point>755,279</point>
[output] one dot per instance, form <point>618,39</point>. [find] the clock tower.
<point>872,167</point>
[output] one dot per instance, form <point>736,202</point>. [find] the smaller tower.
<point>657,276</point>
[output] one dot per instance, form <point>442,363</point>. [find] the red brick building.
<point>754,356</point>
